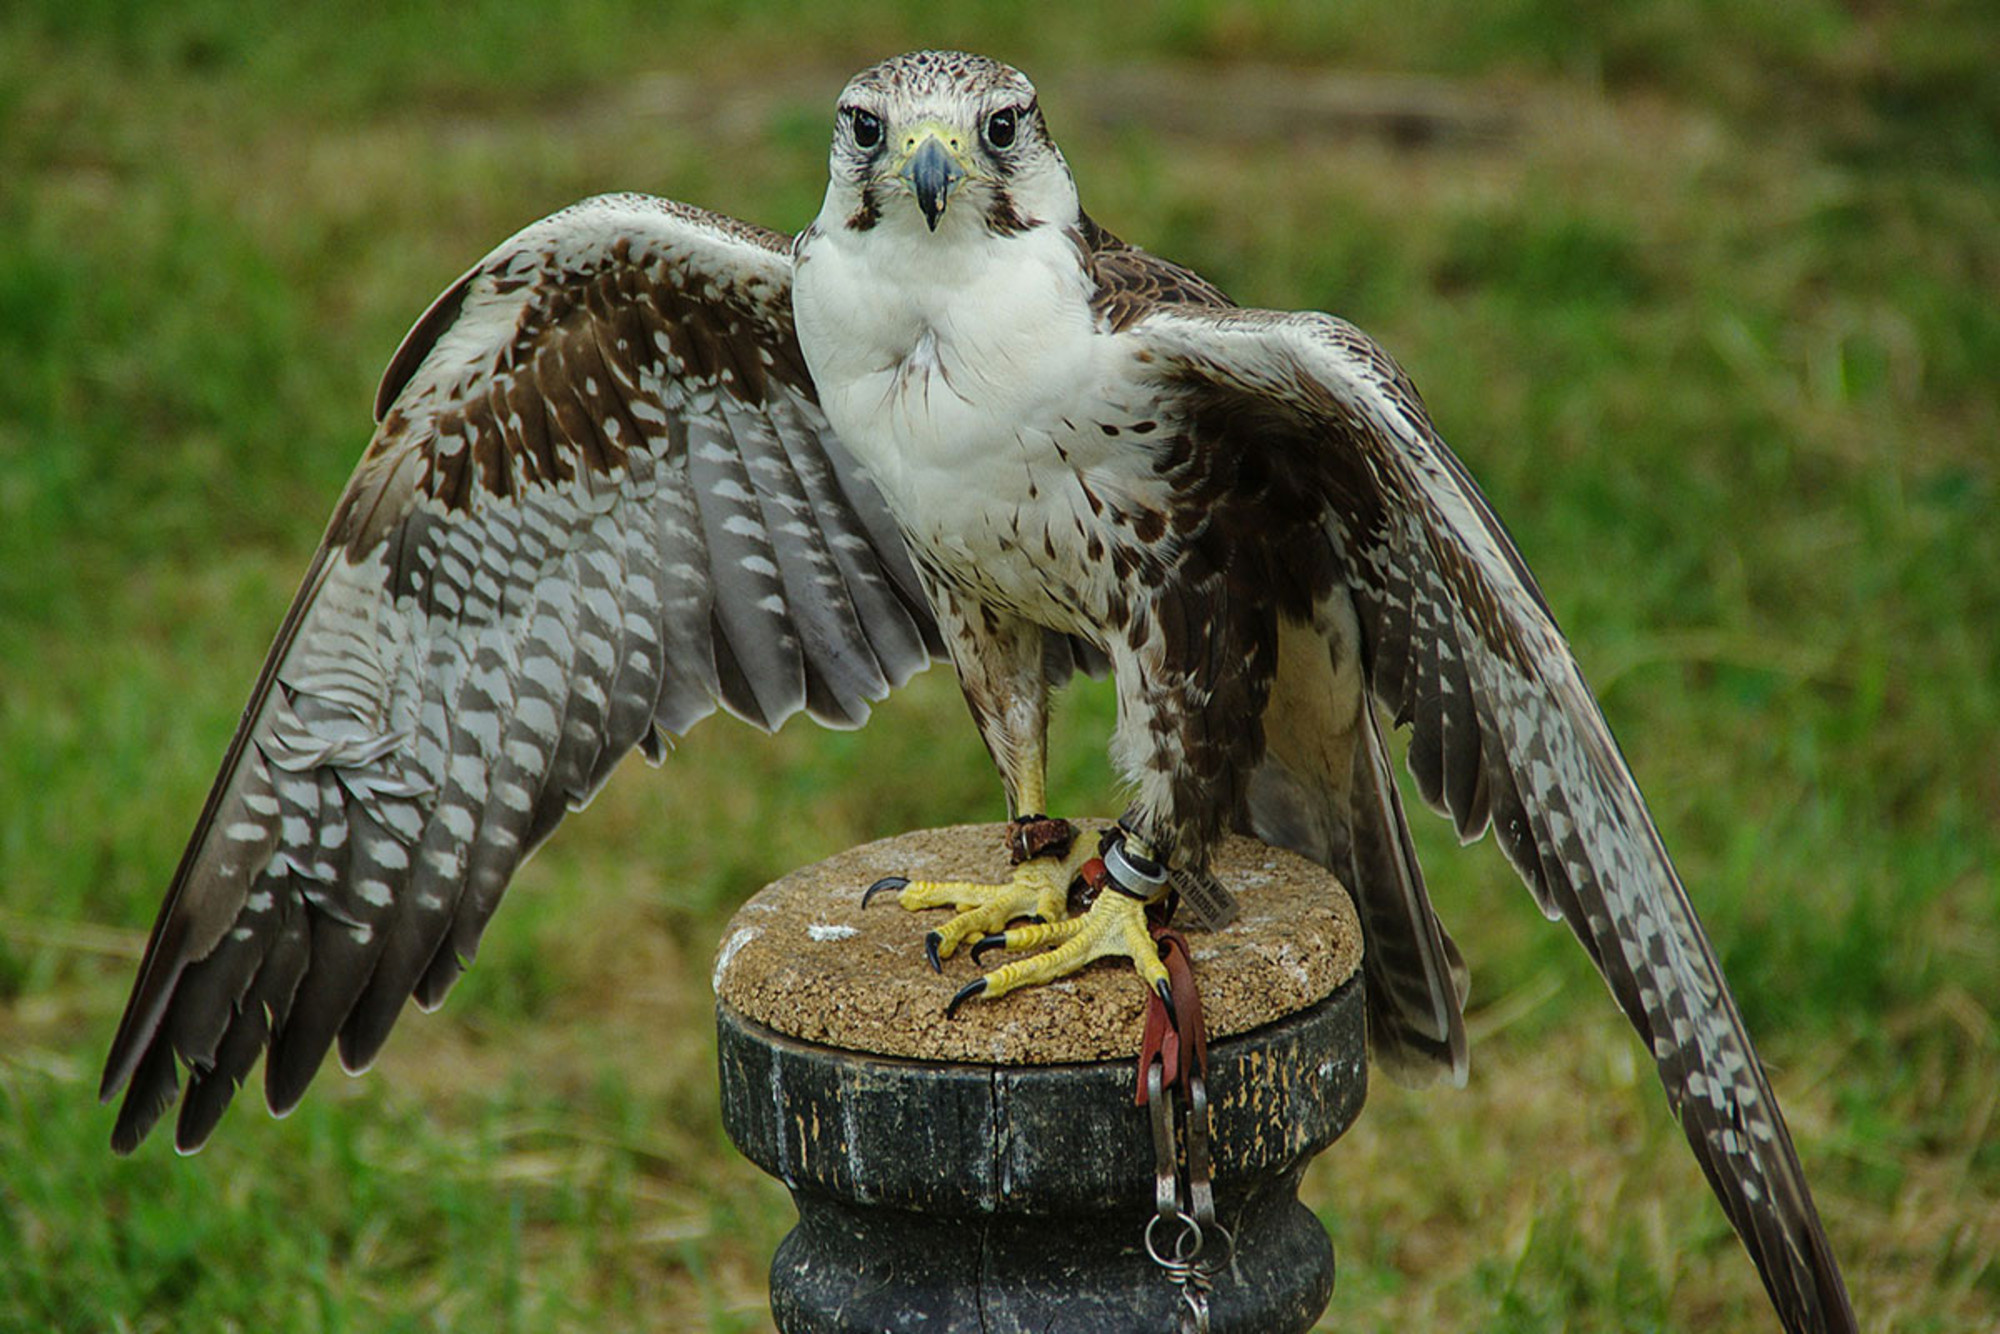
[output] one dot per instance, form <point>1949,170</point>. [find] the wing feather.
<point>689,683</point>
<point>1428,699</point>
<point>895,628</point>
<point>1461,646</point>
<point>600,502</point>
<point>750,605</point>
<point>838,660</point>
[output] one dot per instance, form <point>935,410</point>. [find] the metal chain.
<point>1190,1262</point>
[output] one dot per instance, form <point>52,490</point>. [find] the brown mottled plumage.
<point>643,461</point>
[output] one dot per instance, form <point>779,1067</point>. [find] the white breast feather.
<point>966,374</point>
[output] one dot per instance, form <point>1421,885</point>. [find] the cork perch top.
<point>804,959</point>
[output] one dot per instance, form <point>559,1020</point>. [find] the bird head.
<point>948,140</point>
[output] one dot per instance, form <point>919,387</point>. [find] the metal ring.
<point>1227,1257</point>
<point>1187,1246</point>
<point>1129,877</point>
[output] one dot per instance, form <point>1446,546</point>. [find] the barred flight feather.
<point>1461,647</point>
<point>604,500</point>
<point>601,500</point>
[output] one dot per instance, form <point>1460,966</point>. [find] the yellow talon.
<point>1031,936</point>
<point>1115,926</point>
<point>1038,888</point>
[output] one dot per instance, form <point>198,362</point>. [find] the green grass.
<point>1712,317</point>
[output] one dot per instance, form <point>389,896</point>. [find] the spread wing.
<point>1460,646</point>
<point>600,501</point>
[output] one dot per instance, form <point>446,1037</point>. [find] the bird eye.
<point>1001,127</point>
<point>867,127</point>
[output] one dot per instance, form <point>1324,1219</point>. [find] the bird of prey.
<point>643,461</point>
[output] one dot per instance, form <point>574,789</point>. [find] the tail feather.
<point>1416,978</point>
<point>1353,823</point>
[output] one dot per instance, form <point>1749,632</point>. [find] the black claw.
<point>993,942</point>
<point>931,944</point>
<point>886,882</point>
<point>1166,995</point>
<point>965,993</point>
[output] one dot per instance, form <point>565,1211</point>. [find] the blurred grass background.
<point>1708,295</point>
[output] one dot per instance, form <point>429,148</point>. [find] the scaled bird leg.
<point>1003,667</point>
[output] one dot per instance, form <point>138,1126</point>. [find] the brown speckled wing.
<point>1131,282</point>
<point>1460,647</point>
<point>600,502</point>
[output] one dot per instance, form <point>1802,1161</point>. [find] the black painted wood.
<point>977,1199</point>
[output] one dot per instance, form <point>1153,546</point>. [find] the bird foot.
<point>1115,926</point>
<point>1124,882</point>
<point>1038,891</point>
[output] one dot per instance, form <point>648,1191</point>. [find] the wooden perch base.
<point>991,1173</point>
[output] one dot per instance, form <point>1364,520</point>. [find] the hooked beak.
<point>931,171</point>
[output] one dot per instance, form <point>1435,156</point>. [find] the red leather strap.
<point>1178,1040</point>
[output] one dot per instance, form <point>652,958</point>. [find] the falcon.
<point>644,461</point>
